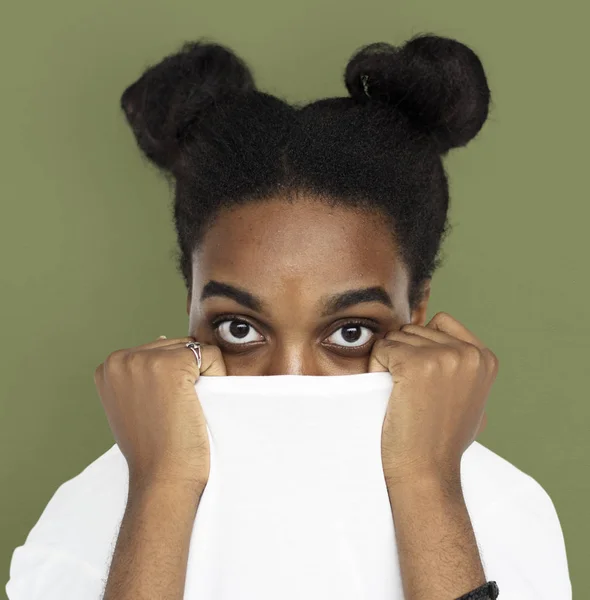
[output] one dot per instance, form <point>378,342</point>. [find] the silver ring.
<point>196,348</point>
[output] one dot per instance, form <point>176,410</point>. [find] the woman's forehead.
<point>303,252</point>
<point>297,238</point>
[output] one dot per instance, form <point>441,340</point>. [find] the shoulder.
<point>517,527</point>
<point>487,477</point>
<point>489,480</point>
<point>83,516</point>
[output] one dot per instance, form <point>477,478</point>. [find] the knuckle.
<point>381,346</point>
<point>213,350</point>
<point>390,335</point>
<point>98,373</point>
<point>493,359</point>
<point>450,357</point>
<point>114,359</point>
<point>152,361</point>
<point>430,366</point>
<point>472,354</point>
<point>138,362</point>
<point>441,317</point>
<point>380,343</point>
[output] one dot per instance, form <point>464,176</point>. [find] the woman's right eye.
<point>235,331</point>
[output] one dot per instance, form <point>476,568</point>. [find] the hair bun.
<point>438,82</point>
<point>163,104</point>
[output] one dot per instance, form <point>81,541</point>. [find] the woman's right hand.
<point>148,394</point>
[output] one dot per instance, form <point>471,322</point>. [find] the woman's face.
<point>266,283</point>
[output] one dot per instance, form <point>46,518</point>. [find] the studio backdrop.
<point>88,242</point>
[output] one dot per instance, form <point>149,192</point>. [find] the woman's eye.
<point>351,335</point>
<point>234,331</point>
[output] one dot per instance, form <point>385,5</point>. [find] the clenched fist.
<point>148,394</point>
<point>443,376</point>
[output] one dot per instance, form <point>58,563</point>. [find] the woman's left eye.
<point>351,333</point>
<point>236,328</point>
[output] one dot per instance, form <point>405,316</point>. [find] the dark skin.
<point>292,258</point>
<point>285,255</point>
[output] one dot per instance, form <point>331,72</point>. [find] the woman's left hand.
<point>442,377</point>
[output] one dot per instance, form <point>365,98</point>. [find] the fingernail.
<point>162,337</point>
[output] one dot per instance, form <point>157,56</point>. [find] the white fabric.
<point>296,506</point>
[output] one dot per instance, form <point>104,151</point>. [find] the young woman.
<point>318,226</point>
<point>308,237</point>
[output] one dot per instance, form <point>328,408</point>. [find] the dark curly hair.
<point>198,116</point>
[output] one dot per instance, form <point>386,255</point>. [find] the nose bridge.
<point>293,358</point>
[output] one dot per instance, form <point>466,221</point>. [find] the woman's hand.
<point>148,394</point>
<point>442,377</point>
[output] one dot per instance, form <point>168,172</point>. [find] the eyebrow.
<point>330,304</point>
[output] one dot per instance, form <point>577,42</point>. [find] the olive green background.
<point>87,235</point>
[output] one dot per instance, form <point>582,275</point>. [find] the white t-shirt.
<point>296,506</point>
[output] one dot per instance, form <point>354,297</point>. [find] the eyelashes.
<point>222,328</point>
<point>357,325</point>
<point>223,325</point>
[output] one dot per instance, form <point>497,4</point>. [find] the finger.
<point>444,323</point>
<point>212,363</point>
<point>409,338</point>
<point>386,356</point>
<point>164,343</point>
<point>180,345</point>
<point>419,331</point>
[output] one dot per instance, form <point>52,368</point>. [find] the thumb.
<point>377,359</point>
